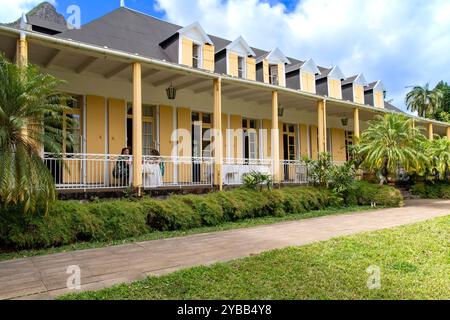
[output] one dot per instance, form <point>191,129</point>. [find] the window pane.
<point>195,116</point>
<point>195,55</point>
<point>147,138</point>
<point>252,145</point>
<point>75,134</point>
<point>273,74</point>
<point>206,134</point>
<point>147,110</point>
<point>241,67</point>
<point>206,146</point>
<point>206,118</point>
<point>75,103</point>
<point>196,146</point>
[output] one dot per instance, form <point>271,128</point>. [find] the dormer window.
<point>329,82</point>
<point>273,74</point>
<point>375,94</point>
<point>271,68</point>
<point>353,88</point>
<point>302,76</point>
<point>190,46</point>
<point>237,60</point>
<point>241,67</point>
<point>195,55</point>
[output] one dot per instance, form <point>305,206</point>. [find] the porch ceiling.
<point>8,46</point>
<point>53,56</point>
<point>338,110</point>
<point>263,96</point>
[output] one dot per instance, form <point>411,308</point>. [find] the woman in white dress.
<point>153,170</point>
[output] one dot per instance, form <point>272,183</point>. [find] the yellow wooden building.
<point>193,109</point>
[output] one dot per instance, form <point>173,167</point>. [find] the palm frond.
<point>31,117</point>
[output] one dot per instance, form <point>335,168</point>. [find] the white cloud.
<point>400,42</point>
<point>11,9</point>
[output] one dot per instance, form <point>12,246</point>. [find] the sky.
<point>401,42</point>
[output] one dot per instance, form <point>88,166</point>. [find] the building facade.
<point>194,109</point>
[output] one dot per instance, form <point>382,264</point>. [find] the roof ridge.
<point>150,16</point>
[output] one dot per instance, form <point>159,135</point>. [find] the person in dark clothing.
<point>121,171</point>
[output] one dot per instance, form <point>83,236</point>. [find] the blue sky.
<point>401,42</point>
<point>94,9</point>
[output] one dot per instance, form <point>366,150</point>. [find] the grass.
<point>414,261</point>
<point>247,223</point>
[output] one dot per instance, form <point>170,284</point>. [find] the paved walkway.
<point>45,277</point>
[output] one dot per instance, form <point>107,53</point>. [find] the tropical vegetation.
<point>340,179</point>
<point>431,190</point>
<point>442,113</point>
<point>31,113</point>
<point>424,100</point>
<point>437,152</point>
<point>69,222</point>
<point>257,180</point>
<point>390,143</point>
<point>430,103</point>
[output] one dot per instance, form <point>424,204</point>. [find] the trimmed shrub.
<point>364,193</point>
<point>117,219</point>
<point>72,221</point>
<point>307,199</point>
<point>170,214</point>
<point>207,208</point>
<point>432,191</point>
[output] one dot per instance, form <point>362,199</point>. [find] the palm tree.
<point>443,112</point>
<point>31,114</point>
<point>392,142</point>
<point>423,100</point>
<point>438,151</point>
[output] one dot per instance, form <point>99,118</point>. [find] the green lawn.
<point>414,262</point>
<point>247,223</point>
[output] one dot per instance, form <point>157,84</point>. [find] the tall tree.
<point>423,100</point>
<point>438,153</point>
<point>31,113</point>
<point>392,142</point>
<point>443,112</point>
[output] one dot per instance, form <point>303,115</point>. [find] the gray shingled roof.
<point>294,66</point>
<point>370,86</point>
<point>391,107</point>
<point>219,43</point>
<point>349,80</point>
<point>126,30</point>
<point>324,72</point>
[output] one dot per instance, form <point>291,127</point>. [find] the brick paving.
<point>45,277</point>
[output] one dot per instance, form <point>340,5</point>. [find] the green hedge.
<point>72,221</point>
<point>432,191</point>
<point>365,193</point>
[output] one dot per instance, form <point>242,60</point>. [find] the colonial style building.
<point>167,91</point>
